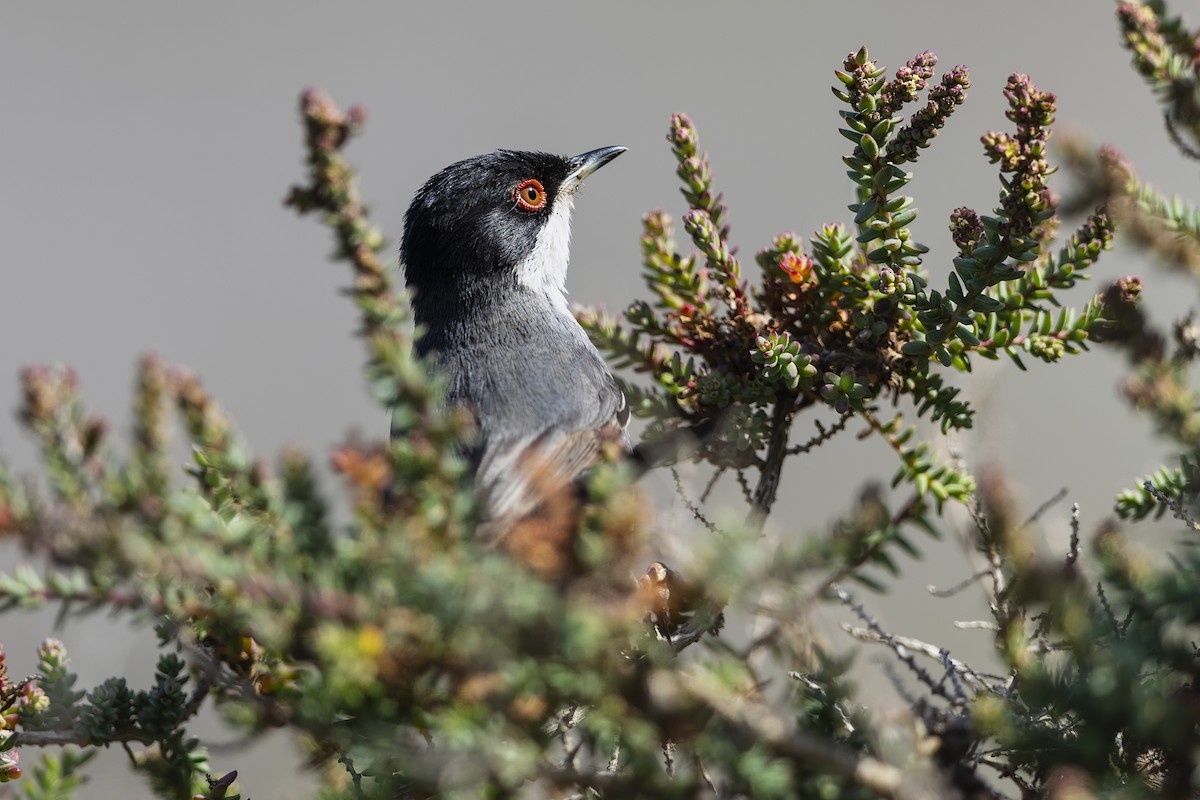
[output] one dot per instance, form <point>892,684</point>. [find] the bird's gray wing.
<point>516,474</point>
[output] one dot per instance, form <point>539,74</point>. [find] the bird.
<point>485,250</point>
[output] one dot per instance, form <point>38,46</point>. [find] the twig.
<point>355,777</point>
<point>1044,507</point>
<point>1177,138</point>
<point>995,566</point>
<point>903,643</point>
<point>67,736</point>
<point>847,724</point>
<point>896,679</point>
<point>1073,548</point>
<point>976,624</point>
<point>1108,611</point>
<point>763,639</point>
<point>958,587</point>
<point>952,673</point>
<point>572,752</point>
<point>1125,622</point>
<point>614,761</point>
<point>759,723</point>
<point>823,435</point>
<point>719,792</point>
<point>211,671</point>
<point>772,467</point>
<point>1172,503</point>
<point>690,506</point>
<point>712,482</point>
<point>745,486</point>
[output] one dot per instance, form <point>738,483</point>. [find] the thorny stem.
<point>1172,503</point>
<point>772,465</point>
<point>822,435</point>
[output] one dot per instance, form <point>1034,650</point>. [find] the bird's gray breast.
<point>543,399</point>
<point>523,367</point>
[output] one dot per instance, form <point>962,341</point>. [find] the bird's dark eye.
<point>530,195</point>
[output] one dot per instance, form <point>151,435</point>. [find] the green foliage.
<point>56,777</point>
<point>851,321</point>
<point>50,705</point>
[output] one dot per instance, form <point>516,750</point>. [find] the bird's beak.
<point>585,164</point>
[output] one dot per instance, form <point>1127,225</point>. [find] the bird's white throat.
<point>544,270</point>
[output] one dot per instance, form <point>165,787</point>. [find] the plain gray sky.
<point>148,146</point>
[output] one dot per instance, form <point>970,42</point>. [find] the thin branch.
<point>697,514</point>
<point>758,722</point>
<point>976,625</point>
<point>903,643</point>
<point>823,435</point>
<point>951,671</point>
<point>995,565</point>
<point>712,482</point>
<point>355,777</point>
<point>1172,503</point>
<point>847,725</point>
<point>950,591</point>
<point>899,685</point>
<point>1177,138</point>
<point>1073,548</point>
<point>1108,610</point>
<point>747,492</point>
<point>72,736</point>
<point>1044,507</point>
<point>1125,622</point>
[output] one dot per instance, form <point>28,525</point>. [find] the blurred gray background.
<point>148,146</point>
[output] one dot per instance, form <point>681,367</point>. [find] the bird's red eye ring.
<point>530,195</point>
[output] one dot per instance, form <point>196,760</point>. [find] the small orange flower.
<point>799,268</point>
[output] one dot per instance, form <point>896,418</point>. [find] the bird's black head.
<point>507,213</point>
